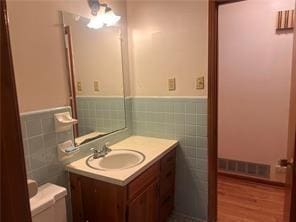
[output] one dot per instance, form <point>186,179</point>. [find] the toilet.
<point>49,204</point>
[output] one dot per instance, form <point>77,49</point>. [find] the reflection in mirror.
<point>95,77</point>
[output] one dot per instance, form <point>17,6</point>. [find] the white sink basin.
<point>116,160</point>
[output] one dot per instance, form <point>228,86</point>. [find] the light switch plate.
<point>200,82</point>
<point>96,86</point>
<point>79,86</point>
<point>172,84</point>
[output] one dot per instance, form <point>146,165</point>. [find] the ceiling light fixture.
<point>102,15</point>
<point>97,19</point>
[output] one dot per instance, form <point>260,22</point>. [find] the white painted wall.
<point>254,82</point>
<point>168,39</point>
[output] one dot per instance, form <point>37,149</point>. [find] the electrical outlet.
<point>200,82</point>
<point>79,86</point>
<point>172,84</point>
<point>96,86</point>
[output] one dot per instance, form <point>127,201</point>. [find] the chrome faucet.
<point>103,152</point>
<point>95,153</point>
<point>106,149</point>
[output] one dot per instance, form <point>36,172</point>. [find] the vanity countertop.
<point>153,149</point>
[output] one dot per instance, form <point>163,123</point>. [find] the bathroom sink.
<point>116,160</point>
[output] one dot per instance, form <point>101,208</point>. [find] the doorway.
<point>233,165</point>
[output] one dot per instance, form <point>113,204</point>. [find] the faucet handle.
<point>95,150</point>
<point>96,153</point>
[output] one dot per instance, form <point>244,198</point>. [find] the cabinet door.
<point>88,198</point>
<point>144,208</point>
<point>96,201</point>
<point>102,202</point>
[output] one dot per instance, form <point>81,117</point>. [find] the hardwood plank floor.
<point>243,201</point>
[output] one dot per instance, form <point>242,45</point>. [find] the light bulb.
<point>110,18</point>
<point>97,22</point>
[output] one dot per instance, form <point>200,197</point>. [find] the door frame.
<point>213,106</point>
<point>213,111</point>
<point>14,191</point>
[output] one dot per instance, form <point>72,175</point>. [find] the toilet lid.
<point>46,197</point>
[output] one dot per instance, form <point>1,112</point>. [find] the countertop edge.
<point>94,176</point>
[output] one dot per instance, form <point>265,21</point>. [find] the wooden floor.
<point>243,201</point>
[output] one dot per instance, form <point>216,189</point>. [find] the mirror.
<point>95,69</point>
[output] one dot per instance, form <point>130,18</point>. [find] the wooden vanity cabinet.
<point>144,207</point>
<point>148,198</point>
<point>167,185</point>
<point>94,200</point>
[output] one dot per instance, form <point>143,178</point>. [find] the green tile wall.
<point>183,119</point>
<point>40,146</point>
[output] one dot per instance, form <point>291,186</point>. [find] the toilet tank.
<point>49,204</point>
